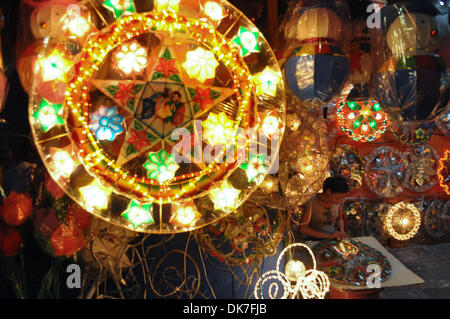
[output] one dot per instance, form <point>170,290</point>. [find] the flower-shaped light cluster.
<point>213,10</point>
<point>95,195</point>
<point>63,163</point>
<point>255,166</point>
<point>76,24</point>
<point>161,166</point>
<point>120,7</point>
<point>184,214</point>
<point>218,129</point>
<point>106,123</point>
<point>247,41</point>
<point>48,115</point>
<point>131,58</point>
<point>267,81</point>
<point>200,64</point>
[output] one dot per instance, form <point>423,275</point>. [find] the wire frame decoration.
<point>421,171</point>
<point>443,172</point>
<point>296,281</point>
<point>403,221</point>
<point>159,108</point>
<point>245,236</point>
<point>434,219</point>
<point>345,161</point>
<point>385,171</point>
<point>363,121</point>
<point>443,122</point>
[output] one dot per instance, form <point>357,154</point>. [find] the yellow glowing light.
<point>409,224</point>
<point>225,197</point>
<point>162,5</point>
<point>294,270</point>
<point>270,125</point>
<point>184,215</point>
<point>200,64</point>
<point>63,163</point>
<point>76,24</point>
<point>218,129</point>
<point>214,10</point>
<point>267,82</point>
<point>95,195</point>
<point>54,66</point>
<point>131,57</point>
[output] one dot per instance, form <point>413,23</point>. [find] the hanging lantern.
<point>412,82</point>
<point>318,66</point>
<point>158,109</point>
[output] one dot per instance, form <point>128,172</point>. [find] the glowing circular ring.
<point>93,56</point>
<point>390,215</point>
<point>444,166</point>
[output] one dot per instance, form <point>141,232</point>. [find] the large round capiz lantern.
<point>412,81</point>
<point>161,111</point>
<point>318,64</point>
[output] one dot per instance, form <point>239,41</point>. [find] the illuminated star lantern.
<point>218,129</point>
<point>48,115</point>
<point>76,24</point>
<point>247,41</point>
<point>63,163</point>
<point>271,125</point>
<point>95,195</point>
<point>54,66</point>
<point>131,58</point>
<point>120,7</point>
<point>225,197</point>
<point>106,123</point>
<point>255,166</point>
<point>138,214</point>
<point>200,64</point>
<point>267,82</point>
<point>161,166</point>
<point>184,215</point>
<point>213,10</point>
<point>162,5</point>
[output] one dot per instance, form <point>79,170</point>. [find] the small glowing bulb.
<point>95,195</point>
<point>404,221</point>
<point>295,269</point>
<point>270,125</point>
<point>351,116</point>
<point>213,10</point>
<point>365,127</point>
<point>76,25</point>
<point>132,57</point>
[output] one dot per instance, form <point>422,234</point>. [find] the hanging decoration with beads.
<point>161,109</point>
<point>363,121</point>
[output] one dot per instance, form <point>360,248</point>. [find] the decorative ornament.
<point>355,216</point>
<point>138,214</point>
<point>385,171</point>
<point>421,171</point>
<point>245,236</point>
<point>152,132</point>
<point>350,267</point>
<point>345,161</point>
<point>363,121</point>
<point>443,172</point>
<point>403,221</point>
<point>443,122</point>
<point>54,66</point>
<point>434,220</point>
<point>412,133</point>
<point>296,281</point>
<point>48,115</point>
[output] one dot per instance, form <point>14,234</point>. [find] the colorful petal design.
<point>106,123</point>
<point>161,166</point>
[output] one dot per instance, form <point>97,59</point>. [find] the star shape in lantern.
<point>95,195</point>
<point>218,128</point>
<point>54,66</point>
<point>247,41</point>
<point>166,100</point>
<point>138,213</point>
<point>421,169</point>
<point>225,197</point>
<point>49,115</point>
<point>385,171</point>
<point>120,7</point>
<point>200,64</point>
<point>255,166</point>
<point>268,81</point>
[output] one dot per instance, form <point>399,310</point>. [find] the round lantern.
<point>162,113</point>
<point>403,221</point>
<point>443,172</point>
<point>412,82</point>
<point>434,221</point>
<point>385,171</point>
<point>319,64</point>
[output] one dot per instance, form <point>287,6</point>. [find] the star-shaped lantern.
<point>49,115</point>
<point>225,197</point>
<point>120,7</point>
<point>138,213</point>
<point>247,41</point>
